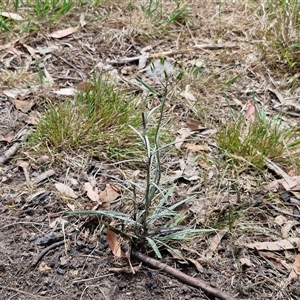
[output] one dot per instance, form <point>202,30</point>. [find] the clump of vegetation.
<point>153,220</point>
<point>250,142</point>
<point>94,119</point>
<point>281,29</point>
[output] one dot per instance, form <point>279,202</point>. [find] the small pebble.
<point>122,285</point>
<point>60,271</point>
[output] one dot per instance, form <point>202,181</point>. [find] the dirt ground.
<point>80,264</point>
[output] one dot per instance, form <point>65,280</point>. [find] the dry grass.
<point>256,61</point>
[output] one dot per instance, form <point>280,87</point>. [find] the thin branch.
<point>195,282</point>
<point>46,250</point>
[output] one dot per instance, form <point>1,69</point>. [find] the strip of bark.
<point>184,278</point>
<point>14,148</point>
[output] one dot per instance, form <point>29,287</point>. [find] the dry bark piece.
<point>14,148</point>
<point>44,176</point>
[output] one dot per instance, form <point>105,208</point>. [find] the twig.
<point>198,283</point>
<point>272,166</point>
<point>14,148</point>
<point>93,278</point>
<point>16,223</point>
<point>126,60</point>
<point>21,292</point>
<point>215,46</point>
<point>46,250</point>
<point>284,212</point>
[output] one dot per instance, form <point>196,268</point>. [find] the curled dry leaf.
<point>13,93</point>
<point>82,20</point>
<point>288,183</point>
<point>280,220</point>
<point>143,60</point>
<point>71,206</point>
<point>12,16</point>
<point>109,194</point>
<point>214,243</point>
<point>198,266</point>
<point>65,190</point>
<point>92,193</point>
<point>245,262</point>
<point>194,125</point>
<point>285,244</point>
<point>296,264</point>
<point>62,33</point>
<point>30,50</point>
<point>114,244</point>
<point>183,134</point>
<point>287,227</point>
<point>23,105</point>
<point>280,263</point>
<point>8,137</point>
<point>45,50</point>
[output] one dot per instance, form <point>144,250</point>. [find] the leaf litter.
<point>192,165</point>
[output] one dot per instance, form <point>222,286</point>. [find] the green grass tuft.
<point>251,142</point>
<point>94,120</point>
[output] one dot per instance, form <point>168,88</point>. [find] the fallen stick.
<point>126,60</point>
<point>46,250</point>
<point>198,283</point>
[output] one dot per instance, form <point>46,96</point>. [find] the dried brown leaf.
<point>197,264</point>
<point>287,227</point>
<point>245,262</point>
<point>63,33</point>
<point>280,263</point>
<point>250,112</point>
<point>114,244</point>
<point>85,86</point>
<point>285,244</point>
<point>8,137</point>
<point>30,50</point>
<point>296,264</point>
<point>23,105</point>
<point>12,16</point>
<point>183,134</point>
<point>194,125</point>
<point>109,194</point>
<point>65,190</point>
<point>214,243</point>
<point>92,193</point>
<point>16,51</point>
<point>194,147</point>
